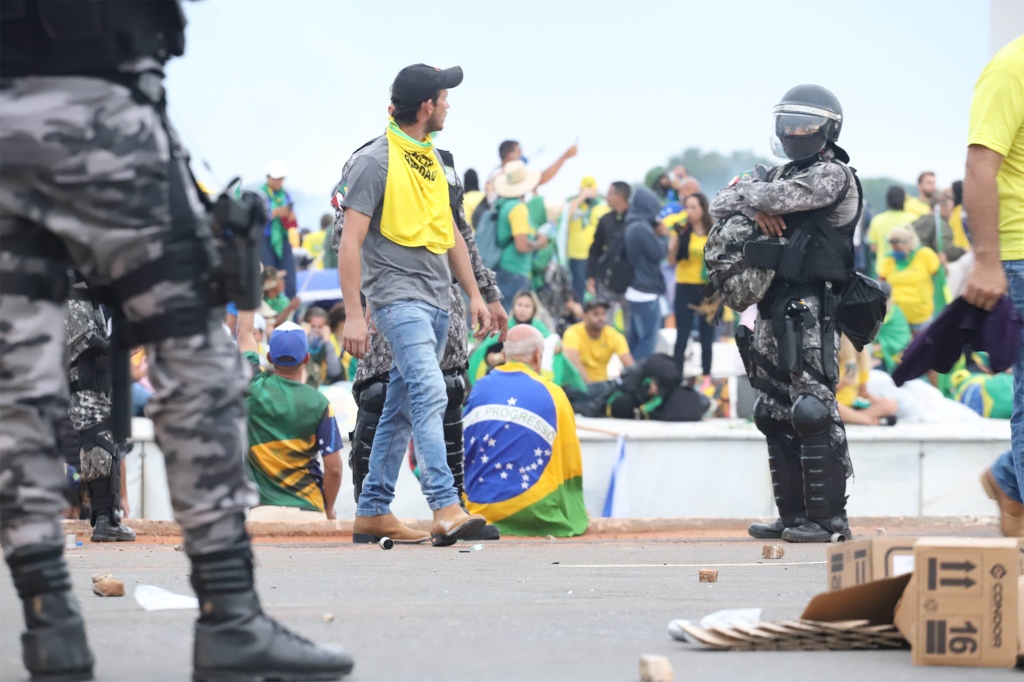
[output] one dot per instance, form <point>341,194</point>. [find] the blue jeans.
<point>286,263</point>
<point>578,271</point>
<point>510,284</point>
<point>1008,470</point>
<point>644,323</point>
<point>415,405</point>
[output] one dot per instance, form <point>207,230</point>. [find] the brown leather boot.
<point>1011,521</point>
<point>451,523</point>
<point>370,529</point>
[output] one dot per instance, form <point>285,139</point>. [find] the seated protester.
<point>524,470</point>
<point>275,298</point>
<point>973,384</point>
<point>289,424</point>
<point>653,390</point>
<point>909,270</point>
<point>893,336</point>
<point>324,364</point>
<point>336,320</point>
<point>856,405</point>
<point>526,309</point>
<point>589,345</point>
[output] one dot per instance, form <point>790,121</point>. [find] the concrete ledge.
<point>600,528</point>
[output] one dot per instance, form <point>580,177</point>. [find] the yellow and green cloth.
<point>289,424</point>
<point>417,210</point>
<point>524,470</point>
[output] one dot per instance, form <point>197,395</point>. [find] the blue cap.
<point>288,345</point>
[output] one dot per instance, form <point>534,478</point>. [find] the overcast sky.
<point>307,81</point>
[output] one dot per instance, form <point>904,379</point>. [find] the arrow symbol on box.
<point>964,566</point>
<point>956,582</point>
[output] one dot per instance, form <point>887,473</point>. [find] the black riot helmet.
<point>807,119</point>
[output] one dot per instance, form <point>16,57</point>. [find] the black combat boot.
<point>787,475</point>
<point>105,501</point>
<point>824,490</point>
<point>236,642</point>
<point>53,646</point>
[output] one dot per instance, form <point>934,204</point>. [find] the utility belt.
<point>790,316</point>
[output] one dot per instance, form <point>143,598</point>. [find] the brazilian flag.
<point>524,471</point>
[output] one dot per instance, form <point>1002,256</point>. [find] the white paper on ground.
<point>153,598</point>
<point>725,617</point>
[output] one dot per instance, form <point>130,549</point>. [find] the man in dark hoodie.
<point>646,248</point>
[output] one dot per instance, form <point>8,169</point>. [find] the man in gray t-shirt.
<point>406,290</point>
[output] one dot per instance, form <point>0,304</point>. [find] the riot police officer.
<point>810,207</point>
<point>89,377</point>
<point>92,176</point>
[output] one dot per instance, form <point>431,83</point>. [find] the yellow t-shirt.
<point>314,246</point>
<point>997,122</point>
<point>595,354</point>
<point>880,227</point>
<point>469,203</point>
<point>916,206</point>
<point>581,231</point>
<point>847,394</point>
<point>691,270</point>
<point>912,287</point>
<point>956,225</point>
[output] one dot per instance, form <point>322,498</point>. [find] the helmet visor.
<point>797,136</point>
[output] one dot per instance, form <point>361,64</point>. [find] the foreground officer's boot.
<point>235,641</point>
<point>53,646</point>
<point>787,475</point>
<point>108,528</point>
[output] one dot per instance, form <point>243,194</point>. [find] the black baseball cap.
<point>595,303</point>
<point>419,82</point>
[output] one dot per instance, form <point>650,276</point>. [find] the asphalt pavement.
<point>532,610</point>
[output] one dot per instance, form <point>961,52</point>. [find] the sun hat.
<point>515,180</point>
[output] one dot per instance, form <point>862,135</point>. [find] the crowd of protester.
<point>611,284</point>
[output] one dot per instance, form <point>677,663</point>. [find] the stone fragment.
<point>655,669</point>
<point>108,587</point>
<point>708,575</point>
<point>773,552</point>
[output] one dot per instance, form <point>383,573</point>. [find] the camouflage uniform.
<point>787,190</point>
<point>370,382</point>
<point>92,177</point>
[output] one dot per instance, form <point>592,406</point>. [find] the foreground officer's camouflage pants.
<point>85,165</point>
<point>779,400</point>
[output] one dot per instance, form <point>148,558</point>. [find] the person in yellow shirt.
<point>589,345</point>
<point>921,205</point>
<point>994,199</point>
<point>313,243</point>
<point>909,270</point>
<point>953,213</point>
<point>856,405</point>
<point>585,209</point>
<point>686,253</point>
<point>883,223</point>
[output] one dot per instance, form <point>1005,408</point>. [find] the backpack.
<point>487,243</point>
<point>613,268</point>
<point>731,276</point>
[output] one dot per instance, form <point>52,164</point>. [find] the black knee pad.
<point>764,421</point>
<point>370,399</point>
<point>811,416</point>
<point>455,385</point>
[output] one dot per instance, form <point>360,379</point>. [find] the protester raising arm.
<point>552,170</point>
<point>246,332</point>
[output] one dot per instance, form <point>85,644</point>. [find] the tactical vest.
<point>86,37</point>
<point>814,251</point>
